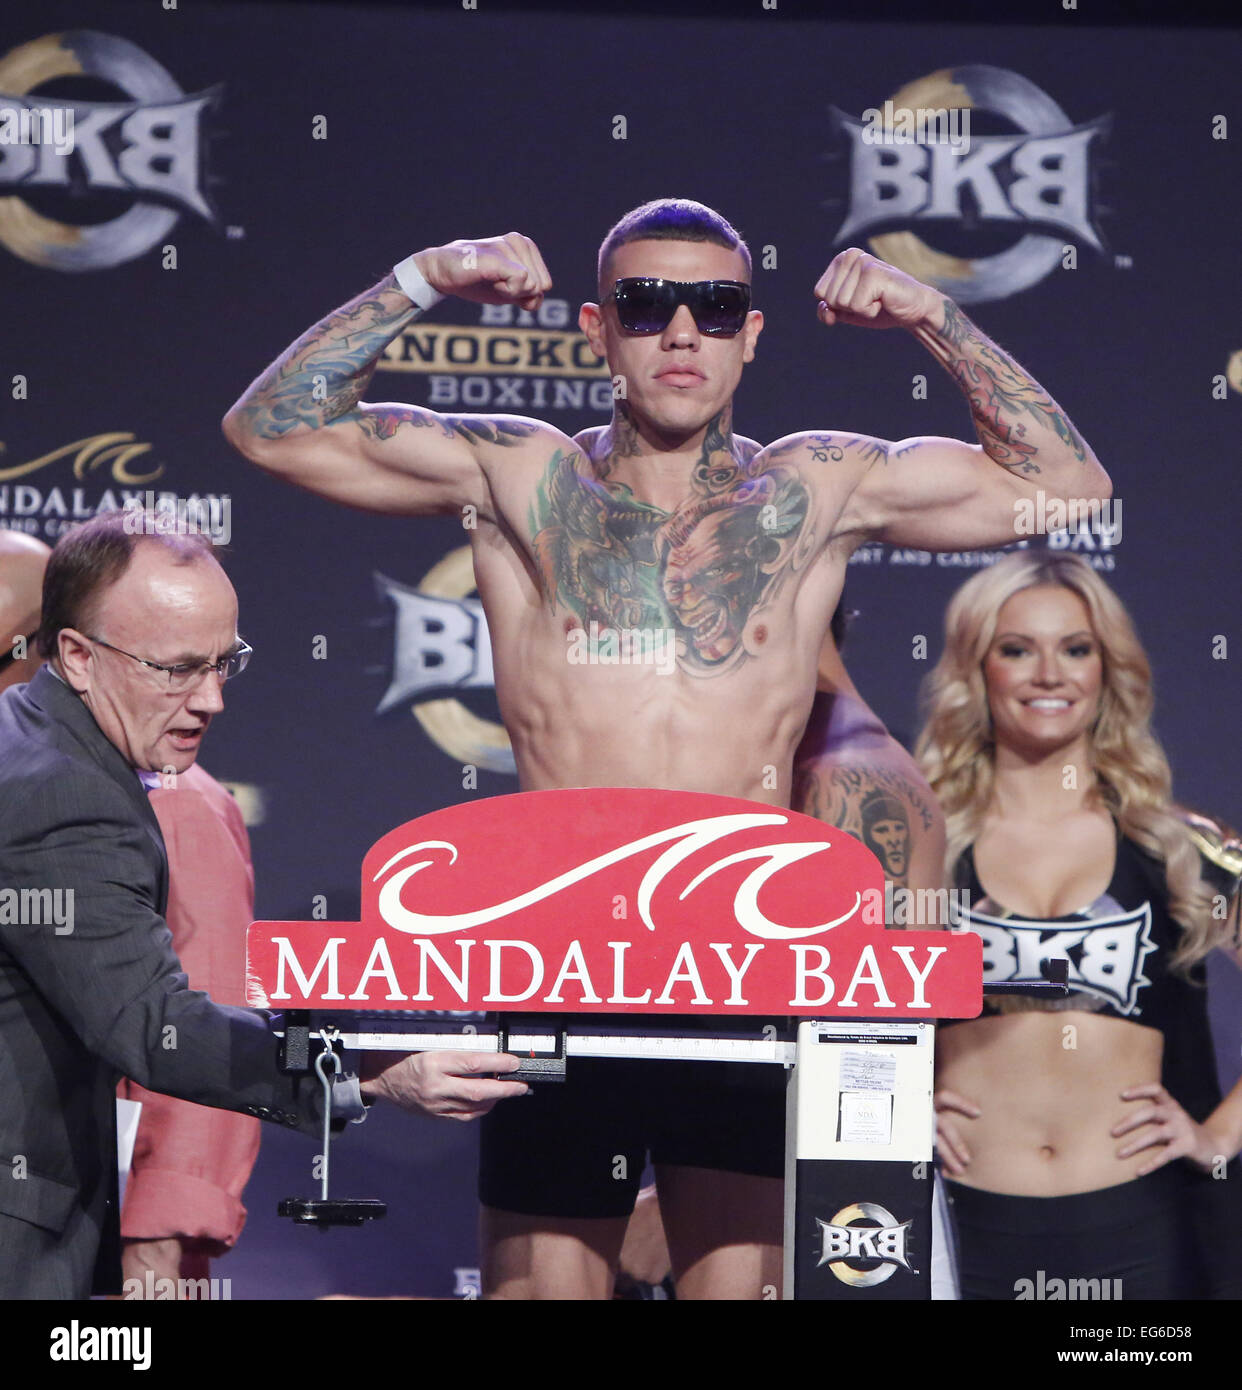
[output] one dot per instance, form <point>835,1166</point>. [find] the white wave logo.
<point>687,839</point>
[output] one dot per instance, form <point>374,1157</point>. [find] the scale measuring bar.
<point>579,1041</point>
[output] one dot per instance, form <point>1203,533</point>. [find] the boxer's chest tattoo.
<point>700,575</point>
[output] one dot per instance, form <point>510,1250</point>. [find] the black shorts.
<point>1132,1241</point>
<point>578,1149</point>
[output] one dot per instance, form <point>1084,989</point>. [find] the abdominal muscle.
<point>598,725</point>
<point>1048,1087</point>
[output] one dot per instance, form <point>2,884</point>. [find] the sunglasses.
<point>647,305</point>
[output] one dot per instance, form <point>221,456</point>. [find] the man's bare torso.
<point>652,629</point>
<point>735,557</point>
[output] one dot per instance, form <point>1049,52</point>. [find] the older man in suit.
<point>140,632</point>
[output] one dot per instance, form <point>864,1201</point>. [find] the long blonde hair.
<point>957,753</point>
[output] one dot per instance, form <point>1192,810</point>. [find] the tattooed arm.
<point>304,418</point>
<point>873,791</point>
<point>941,494</point>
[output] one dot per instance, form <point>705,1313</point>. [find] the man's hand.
<point>869,293</point>
<point>495,270</point>
<point>454,1084</point>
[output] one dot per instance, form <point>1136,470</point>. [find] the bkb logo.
<point>1105,954</point>
<point>879,1247</point>
<point>1036,181</point>
<point>147,146</point>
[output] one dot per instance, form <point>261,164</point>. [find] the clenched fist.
<point>494,270</point>
<point>863,290</point>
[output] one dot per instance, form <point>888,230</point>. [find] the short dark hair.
<point>87,560</point>
<point>671,219</point>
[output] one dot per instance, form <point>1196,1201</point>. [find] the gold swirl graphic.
<point>25,232</point>
<point>903,249</point>
<point>118,448</point>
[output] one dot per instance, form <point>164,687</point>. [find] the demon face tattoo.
<point>702,570</point>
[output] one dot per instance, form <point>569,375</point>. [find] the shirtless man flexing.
<point>667,523</point>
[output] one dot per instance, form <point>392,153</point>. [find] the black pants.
<point>1136,1241</point>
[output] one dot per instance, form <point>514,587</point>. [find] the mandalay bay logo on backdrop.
<point>45,495</point>
<point>147,144</point>
<point>1036,181</point>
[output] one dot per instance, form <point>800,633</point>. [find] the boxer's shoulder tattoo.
<point>383,422</point>
<point>705,570</point>
<point>479,429</point>
<point>1000,395</point>
<point>821,447</point>
<point>880,450</point>
<point>829,447</point>
<point>873,804</point>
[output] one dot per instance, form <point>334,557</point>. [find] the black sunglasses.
<point>646,305</point>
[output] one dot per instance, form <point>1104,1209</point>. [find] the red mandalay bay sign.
<point>618,899</point>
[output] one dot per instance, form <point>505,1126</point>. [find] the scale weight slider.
<point>336,1211</point>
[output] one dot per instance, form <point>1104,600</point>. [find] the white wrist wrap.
<point>414,286</point>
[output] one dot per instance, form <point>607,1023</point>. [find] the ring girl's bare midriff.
<point>1047,1084</point>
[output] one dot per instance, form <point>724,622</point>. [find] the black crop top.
<point>1118,950</point>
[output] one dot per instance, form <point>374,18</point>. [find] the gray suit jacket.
<point>99,995</point>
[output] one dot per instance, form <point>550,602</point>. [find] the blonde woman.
<point>1085,1138</point>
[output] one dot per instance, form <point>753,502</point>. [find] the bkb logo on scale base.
<point>864,1255</point>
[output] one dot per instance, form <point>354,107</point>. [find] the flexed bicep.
<point>305,420</point>
<point>934,493</point>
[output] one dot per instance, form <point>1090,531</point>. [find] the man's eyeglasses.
<point>187,674</point>
<point>647,305</point>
